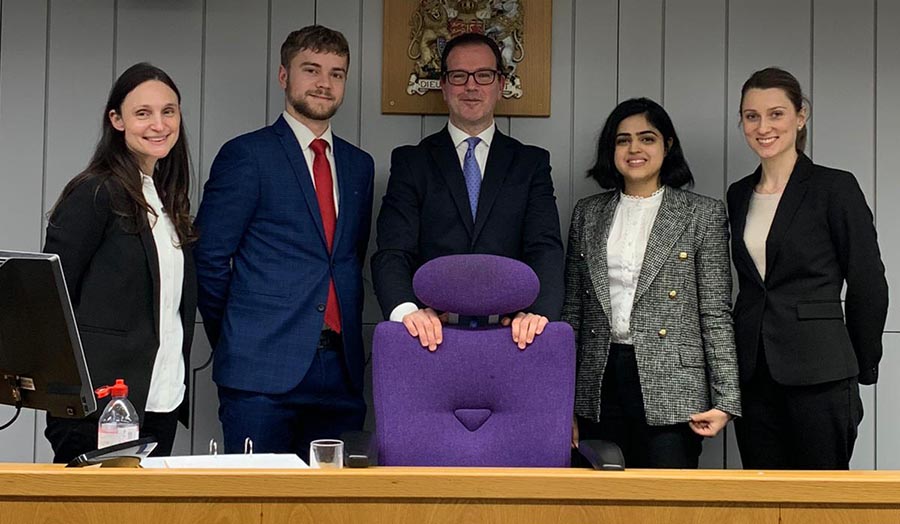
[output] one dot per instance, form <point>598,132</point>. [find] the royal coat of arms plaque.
<point>416,31</point>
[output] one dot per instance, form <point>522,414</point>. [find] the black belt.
<point>330,340</point>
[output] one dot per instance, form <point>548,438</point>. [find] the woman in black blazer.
<point>800,231</point>
<point>123,231</point>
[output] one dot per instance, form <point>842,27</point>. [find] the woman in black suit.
<point>800,231</point>
<point>123,231</point>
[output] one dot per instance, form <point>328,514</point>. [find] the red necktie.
<point>325,196</point>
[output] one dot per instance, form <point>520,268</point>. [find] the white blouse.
<point>167,380</point>
<point>625,249</point>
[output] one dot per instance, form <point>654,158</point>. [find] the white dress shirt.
<point>625,250</point>
<point>167,380</point>
<point>305,138</point>
<point>458,137</point>
<point>756,230</point>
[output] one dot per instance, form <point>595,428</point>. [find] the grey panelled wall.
<point>59,57</point>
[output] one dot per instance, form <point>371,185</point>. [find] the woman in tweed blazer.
<point>648,293</point>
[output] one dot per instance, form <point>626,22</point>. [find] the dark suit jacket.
<point>113,280</point>
<point>822,236</point>
<point>425,214</point>
<point>263,264</point>
<point>684,288</point>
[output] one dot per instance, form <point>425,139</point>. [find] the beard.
<point>307,110</point>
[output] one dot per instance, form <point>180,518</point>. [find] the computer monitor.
<point>42,365</point>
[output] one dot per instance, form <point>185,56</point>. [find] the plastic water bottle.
<point>119,421</point>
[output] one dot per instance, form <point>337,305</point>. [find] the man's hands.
<point>426,325</point>
<point>525,326</point>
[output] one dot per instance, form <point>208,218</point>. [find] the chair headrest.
<point>476,285</point>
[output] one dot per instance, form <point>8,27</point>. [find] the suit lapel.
<point>440,146</point>
<point>790,202</point>
<point>596,235</point>
<point>495,170</point>
<point>301,171</point>
<point>672,218</point>
<point>342,176</point>
<point>739,214</point>
<point>153,263</point>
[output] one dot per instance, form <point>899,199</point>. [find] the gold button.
<point>673,294</point>
<point>682,255</point>
<point>663,332</point>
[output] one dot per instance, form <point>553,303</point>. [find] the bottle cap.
<point>119,389</point>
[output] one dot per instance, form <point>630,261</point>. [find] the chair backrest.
<point>478,400</point>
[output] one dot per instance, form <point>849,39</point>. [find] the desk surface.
<point>33,481</point>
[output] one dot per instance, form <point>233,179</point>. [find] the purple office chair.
<point>478,400</point>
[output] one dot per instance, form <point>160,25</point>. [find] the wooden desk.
<point>38,493</point>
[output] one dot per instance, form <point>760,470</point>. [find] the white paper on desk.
<point>251,461</point>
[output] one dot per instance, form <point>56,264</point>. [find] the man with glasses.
<point>468,189</point>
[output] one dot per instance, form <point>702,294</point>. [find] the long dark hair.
<point>674,171</point>
<point>777,78</point>
<point>114,163</point>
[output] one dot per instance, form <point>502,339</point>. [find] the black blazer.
<point>822,235</point>
<point>425,214</point>
<point>113,281</point>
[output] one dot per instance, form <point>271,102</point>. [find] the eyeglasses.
<point>483,77</point>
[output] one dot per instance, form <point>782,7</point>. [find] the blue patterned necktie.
<point>472,174</point>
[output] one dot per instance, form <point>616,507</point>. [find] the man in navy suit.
<point>285,220</point>
<point>468,189</point>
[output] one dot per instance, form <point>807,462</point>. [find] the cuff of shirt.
<point>402,310</point>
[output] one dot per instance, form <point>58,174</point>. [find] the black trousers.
<point>797,427</point>
<point>623,420</point>
<point>72,437</point>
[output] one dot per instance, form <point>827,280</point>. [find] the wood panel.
<point>887,160</point>
<point>843,93</point>
<point>641,29</point>
<point>468,511</point>
<point>843,89</point>
<point>694,87</point>
<point>80,73</point>
<point>886,412</point>
<point>23,36</point>
<point>757,39</point>
<point>594,91</point>
<point>284,16</point>
<point>137,23</point>
<point>43,512</point>
<point>345,16</point>
<point>555,133</point>
<point>23,50</point>
<point>512,485</point>
<point>839,515</point>
<point>234,73</point>
<point>380,133</point>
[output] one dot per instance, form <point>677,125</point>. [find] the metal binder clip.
<point>213,447</point>
<point>248,446</point>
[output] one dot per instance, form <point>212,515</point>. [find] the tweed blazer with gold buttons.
<point>681,321</point>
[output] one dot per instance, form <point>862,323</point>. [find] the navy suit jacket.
<point>263,265</point>
<point>425,214</point>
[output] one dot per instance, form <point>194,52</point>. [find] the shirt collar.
<point>304,135</point>
<point>457,135</point>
